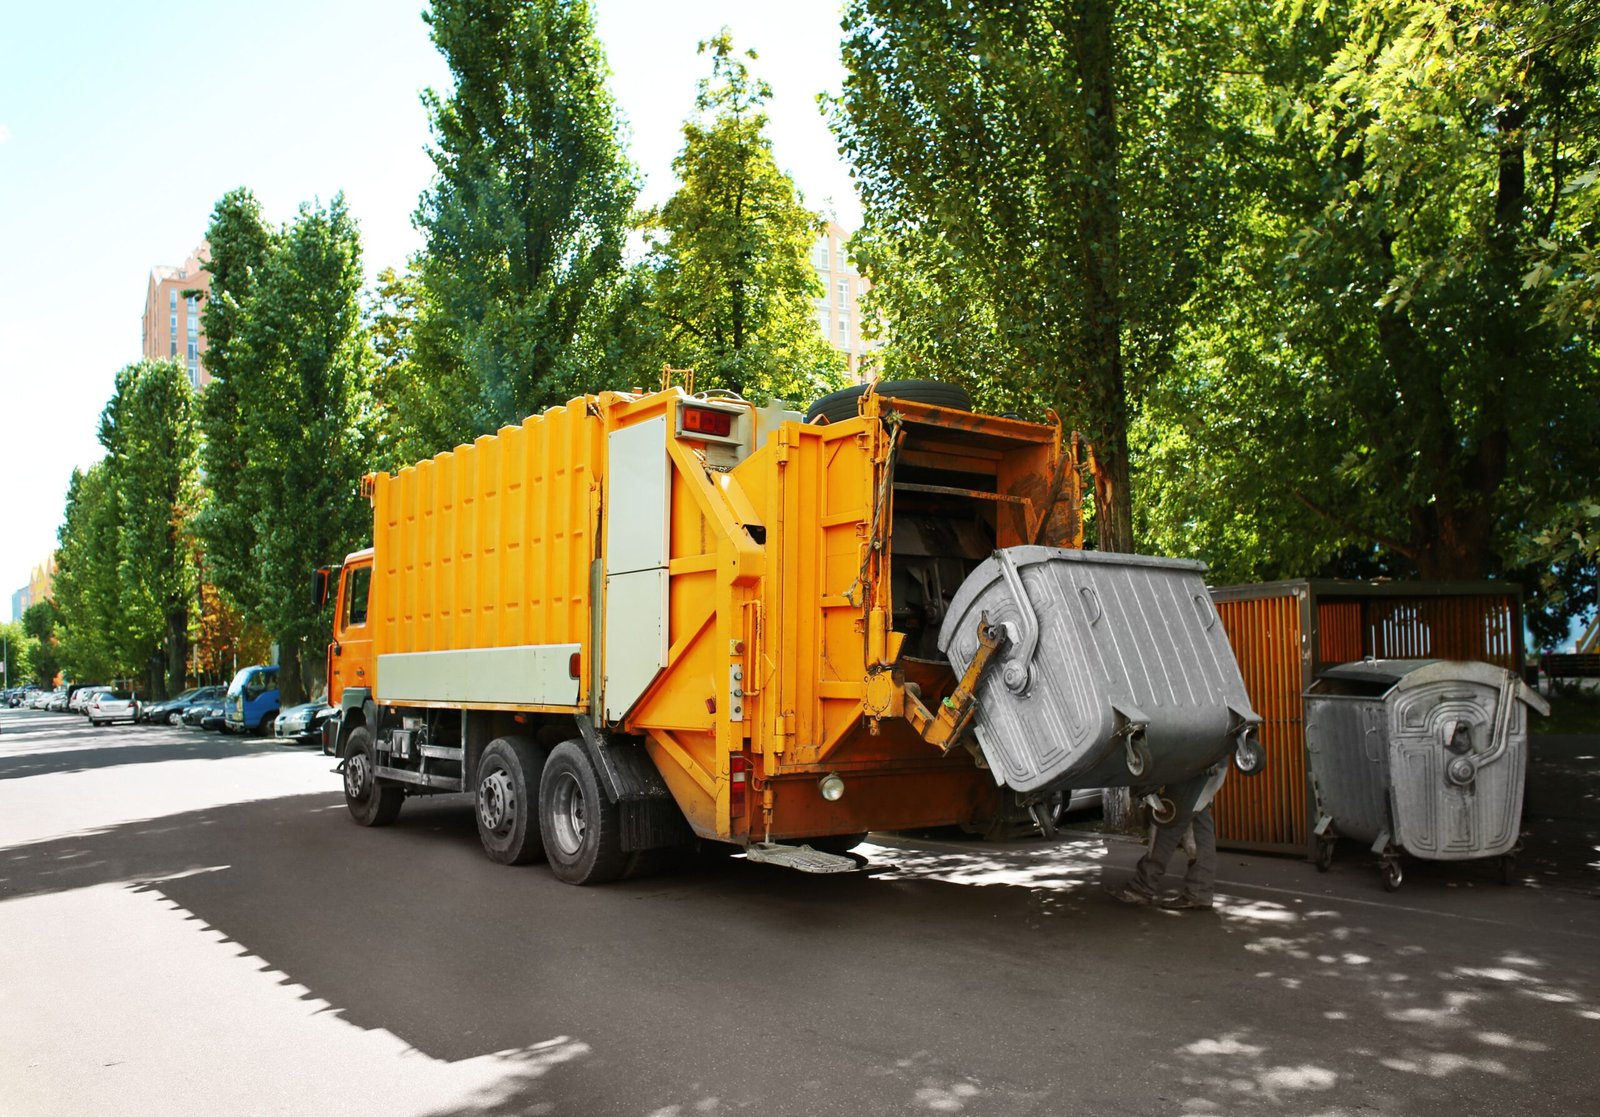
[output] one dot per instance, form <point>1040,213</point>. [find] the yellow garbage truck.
<point>648,619</point>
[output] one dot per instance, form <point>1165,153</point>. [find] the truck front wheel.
<point>508,794</point>
<point>371,803</point>
<point>581,827</point>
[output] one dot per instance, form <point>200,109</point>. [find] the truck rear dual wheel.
<point>582,828</point>
<point>508,795</point>
<point>371,803</point>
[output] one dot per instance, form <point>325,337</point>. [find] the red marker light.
<point>704,420</point>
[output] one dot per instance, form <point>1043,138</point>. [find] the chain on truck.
<point>645,620</point>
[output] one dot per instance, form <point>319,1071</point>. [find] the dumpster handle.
<point>1016,669</point>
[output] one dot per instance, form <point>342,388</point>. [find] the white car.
<point>112,705</point>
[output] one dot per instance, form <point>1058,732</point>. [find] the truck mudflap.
<point>1113,671</point>
<point>649,815</point>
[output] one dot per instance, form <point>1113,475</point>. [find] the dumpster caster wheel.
<point>1163,812</point>
<point>1324,856</point>
<point>1138,758</point>
<point>1250,757</point>
<point>1508,869</point>
<point>1392,875</point>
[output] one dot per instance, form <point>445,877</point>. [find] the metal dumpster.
<point>1419,756</point>
<point>1116,671</point>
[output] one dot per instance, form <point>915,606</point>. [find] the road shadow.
<point>124,745</point>
<point>949,980</point>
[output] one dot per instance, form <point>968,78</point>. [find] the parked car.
<point>58,701</point>
<point>78,701</point>
<point>215,717</point>
<point>169,711</point>
<point>302,724</point>
<point>252,702</point>
<point>195,711</point>
<point>40,700</point>
<point>109,705</point>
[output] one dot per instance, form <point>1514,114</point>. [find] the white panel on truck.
<point>640,494</point>
<point>531,675</point>
<point>636,637</point>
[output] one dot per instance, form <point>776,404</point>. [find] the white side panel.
<point>530,675</point>
<point>636,637</point>
<point>640,493</point>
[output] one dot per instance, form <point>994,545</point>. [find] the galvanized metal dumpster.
<point>1419,756</point>
<point>1116,671</point>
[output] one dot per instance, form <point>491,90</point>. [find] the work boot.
<point>1185,902</point>
<point>1128,894</point>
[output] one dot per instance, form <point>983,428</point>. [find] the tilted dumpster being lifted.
<point>1424,757</point>
<point>648,619</point>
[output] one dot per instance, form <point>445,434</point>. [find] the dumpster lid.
<point>1388,671</point>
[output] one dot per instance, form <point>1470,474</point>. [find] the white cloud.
<point>5,133</point>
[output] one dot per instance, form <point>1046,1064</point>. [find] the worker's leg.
<point>1200,882</point>
<point>1152,866</point>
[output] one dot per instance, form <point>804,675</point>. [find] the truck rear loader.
<point>644,620</point>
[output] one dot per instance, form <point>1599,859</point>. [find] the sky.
<point>119,132</point>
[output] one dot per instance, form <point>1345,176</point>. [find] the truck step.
<point>804,858</point>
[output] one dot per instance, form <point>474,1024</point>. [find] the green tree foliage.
<point>526,219</point>
<point>240,243</point>
<point>39,622</point>
<point>1369,374</point>
<point>300,364</point>
<point>86,576</point>
<point>1033,178</point>
<point>734,285</point>
<point>125,569</point>
<point>17,649</point>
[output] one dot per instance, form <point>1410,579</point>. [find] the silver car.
<point>112,705</point>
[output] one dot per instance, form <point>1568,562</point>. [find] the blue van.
<point>251,704</point>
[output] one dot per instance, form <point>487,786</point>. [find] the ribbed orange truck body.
<point>643,619</point>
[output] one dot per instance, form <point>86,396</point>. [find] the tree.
<point>17,649</point>
<point>240,242</point>
<point>526,219</point>
<point>152,435</point>
<point>1018,220</point>
<point>734,286</point>
<point>86,584</point>
<point>39,624</point>
<point>1371,374</point>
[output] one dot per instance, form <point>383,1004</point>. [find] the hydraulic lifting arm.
<point>945,728</point>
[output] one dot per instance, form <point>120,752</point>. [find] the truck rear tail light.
<point>738,783</point>
<point>706,420</point>
<point>575,665</point>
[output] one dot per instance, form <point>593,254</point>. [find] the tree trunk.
<point>290,690</point>
<point>177,649</point>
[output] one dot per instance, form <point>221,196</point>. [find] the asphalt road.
<point>192,925</point>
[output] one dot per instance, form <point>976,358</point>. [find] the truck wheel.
<point>508,795</point>
<point>844,404</point>
<point>371,803</point>
<point>581,827</point>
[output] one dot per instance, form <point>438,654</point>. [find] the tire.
<point>94,723</point>
<point>371,803</point>
<point>265,728</point>
<point>844,404</point>
<point>1392,875</point>
<point>1250,757</point>
<point>1138,759</point>
<point>174,718</point>
<point>581,828</point>
<point>506,790</point>
<point>1324,856</point>
<point>836,843</point>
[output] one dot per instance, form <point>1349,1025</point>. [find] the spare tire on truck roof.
<point>844,404</point>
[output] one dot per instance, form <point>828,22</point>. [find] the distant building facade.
<point>839,308</point>
<point>172,314</point>
<point>41,585</point>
